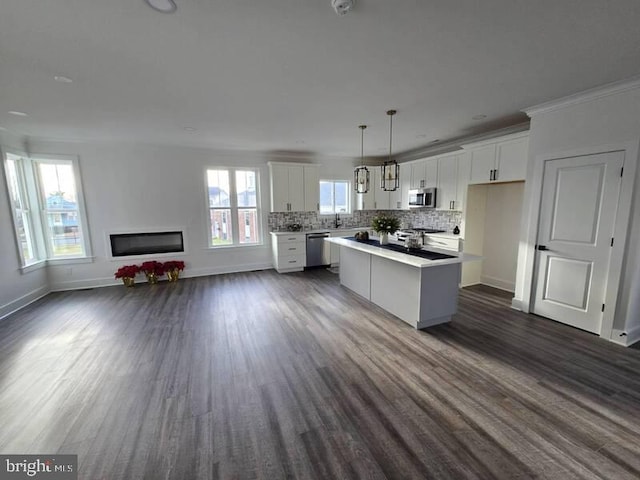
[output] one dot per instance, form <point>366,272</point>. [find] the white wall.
<point>493,231</point>
<point>502,234</point>
<point>17,289</point>
<point>140,187</point>
<point>602,122</point>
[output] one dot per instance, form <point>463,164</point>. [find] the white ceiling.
<point>292,76</point>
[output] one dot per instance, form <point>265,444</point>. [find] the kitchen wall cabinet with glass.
<point>294,187</point>
<point>501,159</point>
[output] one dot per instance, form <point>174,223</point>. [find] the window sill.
<point>33,266</point>
<point>252,246</point>
<point>69,261</point>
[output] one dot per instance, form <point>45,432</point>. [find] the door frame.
<point>531,220</point>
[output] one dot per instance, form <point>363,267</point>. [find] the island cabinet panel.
<point>355,271</point>
<point>422,297</point>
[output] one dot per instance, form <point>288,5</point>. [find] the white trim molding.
<point>21,302</point>
<point>585,96</point>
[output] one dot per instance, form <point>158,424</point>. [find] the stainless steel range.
<point>402,235</point>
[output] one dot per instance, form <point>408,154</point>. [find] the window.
<point>233,207</point>
<point>335,197</point>
<point>21,211</point>
<point>47,185</point>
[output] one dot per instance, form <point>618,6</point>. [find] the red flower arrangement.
<point>152,267</point>
<point>127,271</point>
<point>173,265</point>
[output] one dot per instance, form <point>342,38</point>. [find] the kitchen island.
<point>420,291</point>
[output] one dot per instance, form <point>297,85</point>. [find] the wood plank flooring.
<point>260,375</point>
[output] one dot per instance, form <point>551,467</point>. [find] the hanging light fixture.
<point>390,177</point>
<point>361,173</point>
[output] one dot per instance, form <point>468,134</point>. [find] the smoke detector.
<point>342,7</point>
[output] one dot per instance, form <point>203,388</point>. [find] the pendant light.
<point>361,173</point>
<point>390,177</point>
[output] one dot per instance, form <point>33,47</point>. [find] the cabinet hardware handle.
<point>293,261</point>
<point>542,247</point>
<point>495,174</point>
<point>490,175</point>
<point>292,248</point>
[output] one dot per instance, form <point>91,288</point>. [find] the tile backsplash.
<point>429,218</point>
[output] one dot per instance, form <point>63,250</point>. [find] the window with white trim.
<point>234,209</point>
<point>335,196</point>
<point>47,208</point>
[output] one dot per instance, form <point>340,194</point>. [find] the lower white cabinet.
<point>443,242</point>
<point>289,251</point>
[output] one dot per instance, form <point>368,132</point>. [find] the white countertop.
<point>403,257</point>
<point>321,230</point>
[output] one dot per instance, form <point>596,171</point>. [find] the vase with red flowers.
<point>152,269</point>
<point>173,268</point>
<point>128,274</point>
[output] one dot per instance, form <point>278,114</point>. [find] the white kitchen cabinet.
<point>381,198</point>
<point>417,174</point>
<point>453,179</point>
<point>499,160</point>
<point>483,160</point>
<point>294,187</point>
<point>512,158</point>
<point>447,192</point>
<point>289,252</point>
<point>431,173</point>
<point>311,188</point>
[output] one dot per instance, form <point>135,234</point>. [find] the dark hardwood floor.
<point>261,375</point>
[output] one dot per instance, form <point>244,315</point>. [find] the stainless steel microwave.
<point>423,197</point>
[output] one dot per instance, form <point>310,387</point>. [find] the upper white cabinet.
<point>311,188</point>
<point>453,179</point>
<point>500,159</point>
<point>418,178</point>
<point>381,199</point>
<point>294,187</point>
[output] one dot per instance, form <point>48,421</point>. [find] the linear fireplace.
<point>146,243</point>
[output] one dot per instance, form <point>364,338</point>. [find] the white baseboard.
<point>197,272</point>
<point>23,301</point>
<point>498,283</point>
<point>516,304</point>
<point>626,339</point>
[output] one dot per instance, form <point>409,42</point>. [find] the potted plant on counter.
<point>128,273</point>
<point>152,270</point>
<point>384,225</point>
<point>173,268</point>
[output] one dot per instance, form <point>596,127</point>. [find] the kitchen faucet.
<point>337,222</point>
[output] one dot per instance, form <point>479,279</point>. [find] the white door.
<point>577,216</point>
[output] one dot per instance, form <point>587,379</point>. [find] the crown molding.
<point>602,91</point>
<point>457,143</point>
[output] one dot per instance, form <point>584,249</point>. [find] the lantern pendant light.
<point>390,170</point>
<point>361,173</point>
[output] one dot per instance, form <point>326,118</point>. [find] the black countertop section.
<point>402,249</point>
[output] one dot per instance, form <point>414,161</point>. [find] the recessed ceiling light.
<point>164,6</point>
<point>62,79</point>
<point>478,117</point>
<point>190,129</point>
<point>18,114</point>
<point>422,135</point>
<point>435,141</point>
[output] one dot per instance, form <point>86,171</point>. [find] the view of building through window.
<point>233,207</point>
<point>60,209</point>
<point>334,197</point>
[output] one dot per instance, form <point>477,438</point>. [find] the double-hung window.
<point>47,208</point>
<point>335,196</point>
<point>234,206</point>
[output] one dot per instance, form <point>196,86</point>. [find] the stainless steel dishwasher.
<point>318,251</point>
